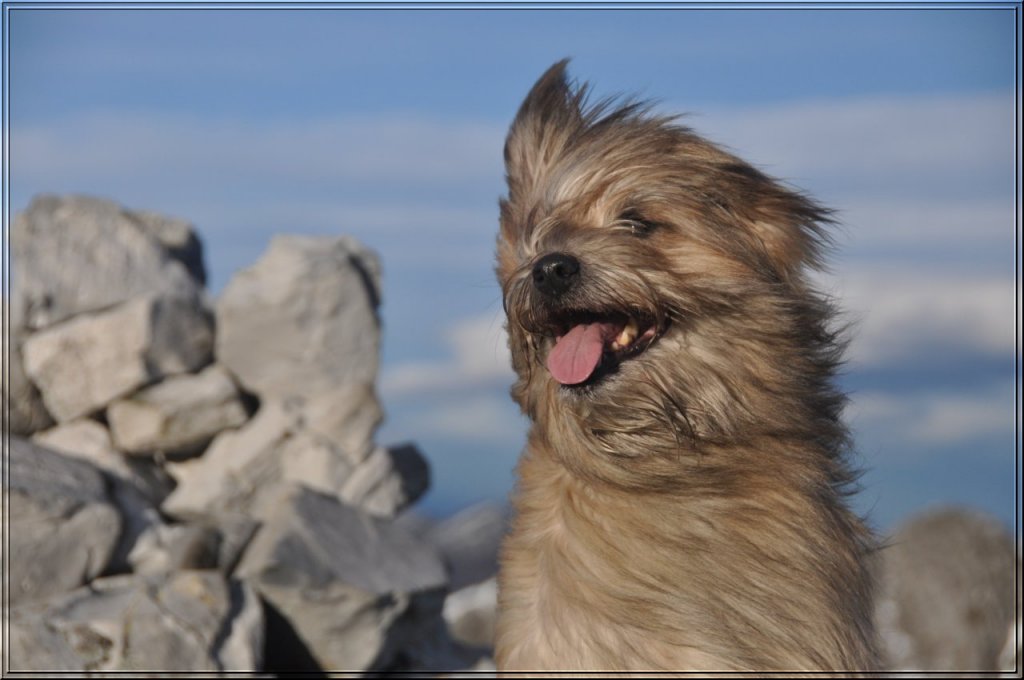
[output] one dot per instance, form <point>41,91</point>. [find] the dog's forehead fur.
<point>572,163</point>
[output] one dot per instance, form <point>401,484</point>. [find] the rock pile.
<point>195,484</point>
<point>948,594</point>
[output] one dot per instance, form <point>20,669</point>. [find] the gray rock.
<point>235,532</point>
<point>77,254</point>
<point>354,588</point>
<point>238,468</point>
<point>174,547</point>
<point>215,544</point>
<point>82,364</point>
<point>184,621</point>
<point>388,481</point>
<point>22,405</point>
<point>63,529</point>
<point>303,319</point>
<point>946,592</point>
<point>89,440</point>
<point>347,417</point>
<point>179,415</point>
<point>289,443</point>
<point>471,614</point>
<point>136,487</point>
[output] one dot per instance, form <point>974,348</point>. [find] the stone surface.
<point>136,486</point>
<point>173,547</point>
<point>388,481</point>
<point>22,406</point>
<point>185,621</point>
<point>62,527</point>
<point>946,592</point>
<point>353,588</point>
<point>215,544</point>
<point>76,254</point>
<point>280,444</point>
<point>84,363</point>
<point>303,319</point>
<point>471,614</point>
<point>179,415</point>
<point>347,417</point>
<point>236,470</point>
<point>89,440</point>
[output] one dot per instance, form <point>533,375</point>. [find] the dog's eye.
<point>637,224</point>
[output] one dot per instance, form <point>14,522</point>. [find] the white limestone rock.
<point>236,469</point>
<point>178,415</point>
<point>63,528</point>
<point>137,486</point>
<point>77,254</point>
<point>388,481</point>
<point>946,594</point>
<point>83,364</point>
<point>471,614</point>
<point>175,547</point>
<point>175,622</point>
<point>303,319</point>
<point>289,443</point>
<point>354,588</point>
<point>90,441</point>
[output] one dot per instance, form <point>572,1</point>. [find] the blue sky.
<point>388,125</point>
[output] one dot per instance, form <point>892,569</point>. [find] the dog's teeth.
<point>626,337</point>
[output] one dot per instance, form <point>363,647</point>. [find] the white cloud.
<point>934,418</point>
<point>926,224</point>
<point>902,168</point>
<point>190,149</point>
<point>884,137</point>
<point>902,311</point>
<point>479,358</point>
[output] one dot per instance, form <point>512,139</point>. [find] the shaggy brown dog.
<point>681,499</point>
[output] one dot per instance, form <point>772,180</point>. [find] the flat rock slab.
<point>354,588</point>
<point>63,528</point>
<point>183,621</point>
<point>83,364</point>
<point>89,440</point>
<point>179,415</point>
<point>76,254</point>
<point>303,319</point>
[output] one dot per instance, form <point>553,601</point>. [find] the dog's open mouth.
<point>590,345</point>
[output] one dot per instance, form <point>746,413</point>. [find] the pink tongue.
<point>576,354</point>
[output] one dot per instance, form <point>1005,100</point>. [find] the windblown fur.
<point>684,507</point>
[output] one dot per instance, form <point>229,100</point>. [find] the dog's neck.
<point>737,567</point>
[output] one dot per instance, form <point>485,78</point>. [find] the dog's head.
<point>648,271</point>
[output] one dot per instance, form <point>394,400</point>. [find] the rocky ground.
<point>195,484</point>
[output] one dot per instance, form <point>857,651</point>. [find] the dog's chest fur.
<point>565,603</point>
<point>609,580</point>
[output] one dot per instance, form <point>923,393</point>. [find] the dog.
<point>681,502</point>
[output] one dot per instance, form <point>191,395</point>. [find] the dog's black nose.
<point>556,273</point>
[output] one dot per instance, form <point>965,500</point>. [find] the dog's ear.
<point>549,115</point>
<point>793,230</point>
<point>785,229</point>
